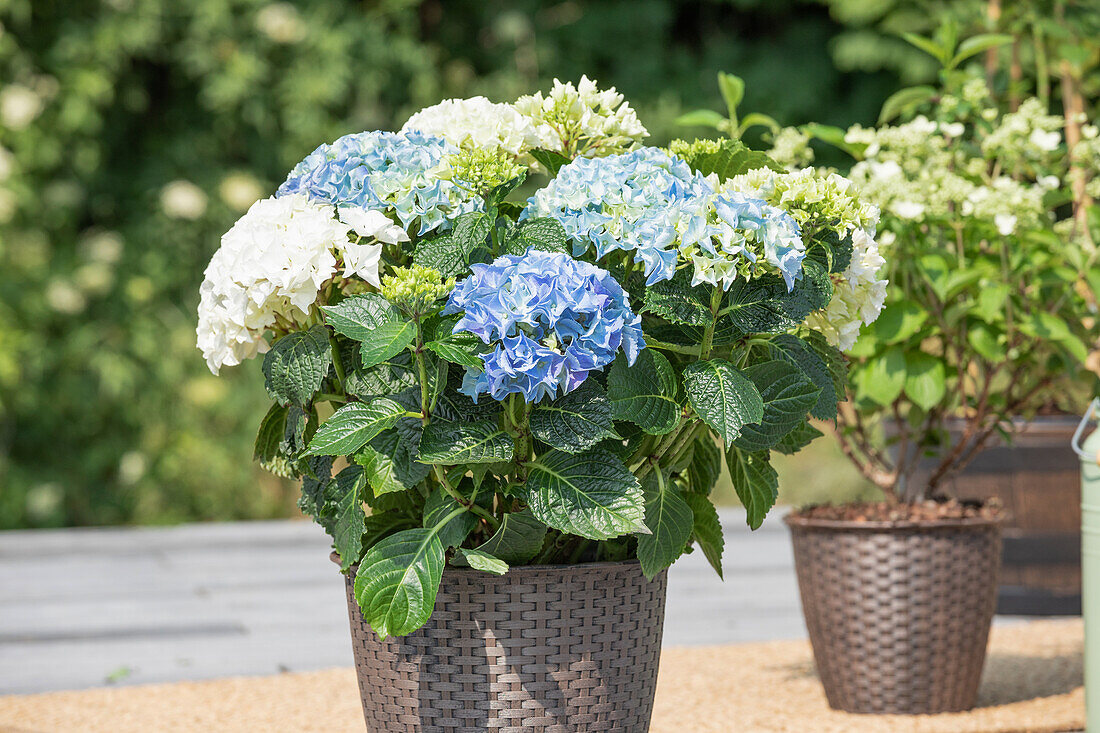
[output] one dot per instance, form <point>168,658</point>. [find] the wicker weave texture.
<point>898,618</point>
<point>553,649</point>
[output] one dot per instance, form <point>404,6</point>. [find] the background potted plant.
<point>990,321</point>
<point>525,394</point>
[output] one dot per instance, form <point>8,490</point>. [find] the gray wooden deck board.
<point>80,608</point>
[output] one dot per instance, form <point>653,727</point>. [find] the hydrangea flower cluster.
<point>644,201</point>
<point>582,120</point>
<point>815,199</point>
<point>747,233</point>
<point>396,173</point>
<point>551,319</point>
<point>477,123</point>
<point>269,268</point>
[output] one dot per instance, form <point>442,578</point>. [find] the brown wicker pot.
<point>898,614</point>
<point>542,648</point>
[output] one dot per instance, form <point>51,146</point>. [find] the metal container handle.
<point>1075,443</point>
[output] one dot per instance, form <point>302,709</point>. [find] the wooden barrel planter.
<point>1037,478</point>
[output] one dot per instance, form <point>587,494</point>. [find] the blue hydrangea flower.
<point>551,319</point>
<point>644,201</point>
<point>746,229</point>
<point>395,172</point>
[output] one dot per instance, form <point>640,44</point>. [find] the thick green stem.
<point>337,363</point>
<point>666,442</point>
<point>422,368</point>
<point>708,332</point>
<point>465,503</point>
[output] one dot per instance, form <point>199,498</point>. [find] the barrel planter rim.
<point>540,648</point>
<point>796,521</point>
<point>512,569</point>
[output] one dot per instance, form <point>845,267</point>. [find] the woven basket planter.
<point>542,648</point>
<point>898,613</point>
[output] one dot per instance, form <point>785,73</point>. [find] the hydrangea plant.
<point>464,378</point>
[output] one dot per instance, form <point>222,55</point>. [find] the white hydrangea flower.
<point>270,266</point>
<point>582,120</point>
<point>858,295</point>
<point>363,259</point>
<point>476,122</point>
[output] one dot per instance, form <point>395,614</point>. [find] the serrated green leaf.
<point>797,439</point>
<point>591,494</point>
<point>723,397</point>
<point>835,362</point>
<point>669,520</point>
<point>787,394</point>
<point>482,561</point>
<point>397,581</point>
<point>270,434</point>
<point>706,529</point>
<point>449,253</point>
<point>764,305</point>
<point>438,507</point>
<point>755,481</point>
<point>358,316</point>
<point>353,425</point>
<point>551,160</point>
<point>294,433</point>
<point>389,377</point>
<point>453,443</point>
<point>457,350</point>
<point>576,420</point>
<point>706,464</point>
<point>646,393</point>
<point>518,538</point>
<point>296,365</point>
<point>925,379</point>
<point>543,233</point>
<point>816,370</point>
<point>677,301</point>
<point>316,474</point>
<point>386,341</point>
<point>389,465</point>
<point>731,159</point>
<point>344,504</point>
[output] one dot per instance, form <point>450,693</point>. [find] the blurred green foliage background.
<point>133,133</point>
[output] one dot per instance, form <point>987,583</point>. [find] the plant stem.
<point>425,401</point>
<point>336,362</point>
<point>465,503</point>
<point>708,332</point>
<point>329,397</point>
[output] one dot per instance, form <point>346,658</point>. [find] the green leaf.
<point>899,321</point>
<point>987,342</point>
<point>1041,324</point>
<point>591,494</point>
<point>501,191</point>
<point>390,377</point>
<point>270,435</point>
<point>388,464</point>
<point>449,253</point>
<point>925,379</point>
<point>344,495</point>
<point>798,439</point>
<point>457,350</point>
<point>701,118</point>
<point>483,561</point>
<point>646,393</point>
<point>756,483</point>
<point>977,44</point>
<point>757,119</point>
<point>723,397</point>
<point>518,538</point>
<point>815,368</point>
<point>733,91</point>
<point>386,341</point>
<point>438,507</point>
<point>381,524</point>
<point>764,305</point>
<point>787,394</point>
<point>670,521</point>
<point>294,435</point>
<point>706,464</point>
<point>398,579</point>
<point>551,160</point>
<point>706,529</point>
<point>883,378</point>
<point>575,421</point>
<point>677,301</point>
<point>731,159</point>
<point>543,233</point>
<point>453,443</point>
<point>358,316</point>
<point>296,366</point>
<point>835,136</point>
<point>991,302</point>
<point>901,101</point>
<point>316,474</point>
<point>835,361</point>
<point>930,47</point>
<point>353,425</point>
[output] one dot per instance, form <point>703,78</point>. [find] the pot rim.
<point>795,520</point>
<point>517,569</point>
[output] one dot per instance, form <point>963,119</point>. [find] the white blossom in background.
<point>582,120</point>
<point>183,200</point>
<point>271,264</point>
<point>240,190</point>
<point>281,22</point>
<point>19,106</point>
<point>1028,133</point>
<point>476,122</point>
